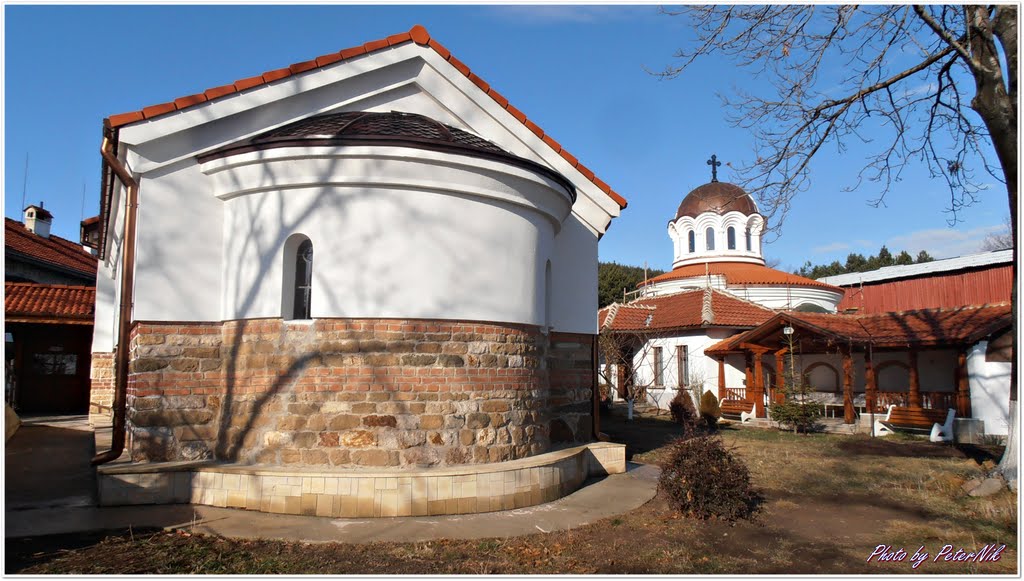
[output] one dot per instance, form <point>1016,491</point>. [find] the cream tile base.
<point>362,493</point>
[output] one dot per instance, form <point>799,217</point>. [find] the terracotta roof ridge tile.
<point>417,34</point>
<point>48,285</point>
<point>707,311</point>
<point>743,300</point>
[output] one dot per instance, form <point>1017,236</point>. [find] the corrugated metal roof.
<point>907,270</point>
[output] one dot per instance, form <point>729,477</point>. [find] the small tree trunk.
<point>629,409</point>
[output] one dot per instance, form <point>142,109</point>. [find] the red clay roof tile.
<point>220,91</point>
<point>741,273</point>
<point>417,34</point>
<point>923,327</point>
<point>375,44</point>
<point>534,128</point>
<point>54,250</point>
<point>276,75</point>
<point>459,65</point>
<point>555,145</point>
<point>569,157</point>
<point>519,115</point>
<point>439,49</point>
<point>48,301</point>
<point>585,171</point>
<point>327,59</point>
<point>183,102</point>
<point>498,98</point>
<point>484,86</point>
<point>686,310</point>
<point>399,38</point>
<point>352,52</point>
<point>302,67</point>
<point>161,109</point>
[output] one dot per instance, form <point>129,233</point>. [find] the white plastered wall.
<point>701,367</point>
<point>990,390</point>
<point>182,226</point>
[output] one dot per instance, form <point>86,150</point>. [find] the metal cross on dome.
<point>715,164</point>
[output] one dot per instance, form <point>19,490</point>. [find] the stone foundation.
<point>355,393</point>
<point>363,493</point>
<point>101,389</point>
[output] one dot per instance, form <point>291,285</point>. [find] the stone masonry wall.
<point>101,388</point>
<point>348,392</point>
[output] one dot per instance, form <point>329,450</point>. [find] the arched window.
<point>693,241</point>
<point>709,236</point>
<point>730,236</point>
<point>297,278</point>
<point>748,240</point>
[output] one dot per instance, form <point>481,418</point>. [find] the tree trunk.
<point>996,103</point>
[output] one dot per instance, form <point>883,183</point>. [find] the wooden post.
<point>849,416</point>
<point>721,378</point>
<point>871,385</point>
<point>915,385</point>
<point>758,386</point>
<point>748,392</point>
<point>780,376</point>
<point>962,386</point>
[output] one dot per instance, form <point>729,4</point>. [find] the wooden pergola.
<point>847,335</point>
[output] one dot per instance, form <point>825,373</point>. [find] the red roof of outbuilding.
<point>689,309</point>
<point>417,34</point>
<point>742,273</point>
<point>54,250</point>
<point>923,328</point>
<point>33,301</point>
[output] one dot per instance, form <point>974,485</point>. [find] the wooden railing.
<point>736,393</point>
<point>930,400</point>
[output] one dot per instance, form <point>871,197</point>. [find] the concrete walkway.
<point>61,508</point>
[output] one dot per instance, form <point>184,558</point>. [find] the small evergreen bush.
<point>703,479</point>
<point>710,411</point>
<point>683,413</point>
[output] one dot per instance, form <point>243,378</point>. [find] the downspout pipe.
<point>124,323</point>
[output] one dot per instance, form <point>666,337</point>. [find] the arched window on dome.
<point>709,236</point>
<point>730,236</point>
<point>748,240</point>
<point>692,236</point>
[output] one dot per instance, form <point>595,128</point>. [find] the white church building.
<point>721,320</point>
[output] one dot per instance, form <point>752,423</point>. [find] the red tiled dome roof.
<point>741,273</point>
<point>718,197</point>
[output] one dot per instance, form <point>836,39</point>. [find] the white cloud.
<point>943,242</point>
<point>555,14</point>
<point>833,247</point>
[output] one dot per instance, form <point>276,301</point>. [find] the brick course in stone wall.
<point>101,389</point>
<point>344,392</point>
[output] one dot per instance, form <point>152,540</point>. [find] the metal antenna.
<point>82,217</point>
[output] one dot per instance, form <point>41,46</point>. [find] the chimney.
<point>38,220</point>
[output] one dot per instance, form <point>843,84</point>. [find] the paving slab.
<point>47,464</point>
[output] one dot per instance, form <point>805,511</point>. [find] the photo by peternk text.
<point>990,553</point>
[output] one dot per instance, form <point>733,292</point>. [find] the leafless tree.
<point>999,240</point>
<point>627,357</point>
<point>897,79</point>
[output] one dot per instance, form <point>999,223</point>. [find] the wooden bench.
<point>911,420</point>
<point>736,408</point>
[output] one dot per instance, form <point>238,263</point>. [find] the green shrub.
<point>710,411</point>
<point>703,479</point>
<point>683,413</point>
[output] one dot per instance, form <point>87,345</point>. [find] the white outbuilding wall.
<point>990,390</point>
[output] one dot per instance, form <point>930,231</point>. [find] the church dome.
<point>717,197</point>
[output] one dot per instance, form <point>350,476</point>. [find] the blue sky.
<point>579,71</point>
